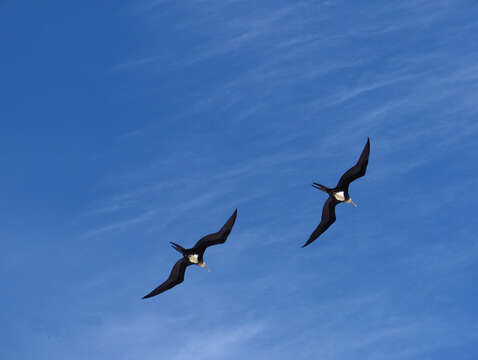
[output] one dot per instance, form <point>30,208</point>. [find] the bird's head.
<point>349,201</point>
<point>203,265</point>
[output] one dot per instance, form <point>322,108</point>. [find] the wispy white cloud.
<point>403,100</point>
<point>122,224</point>
<point>220,343</point>
<point>151,335</point>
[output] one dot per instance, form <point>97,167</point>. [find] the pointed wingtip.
<point>147,296</point>
<point>230,222</point>
<point>367,146</point>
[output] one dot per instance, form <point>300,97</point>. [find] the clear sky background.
<point>129,124</point>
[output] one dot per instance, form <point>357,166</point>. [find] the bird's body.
<point>340,193</point>
<point>193,259</point>
<point>193,256</point>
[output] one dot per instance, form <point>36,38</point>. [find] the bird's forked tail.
<point>177,247</point>
<point>320,187</point>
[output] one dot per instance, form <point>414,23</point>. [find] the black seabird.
<point>340,193</point>
<point>193,256</point>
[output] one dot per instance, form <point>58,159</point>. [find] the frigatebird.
<point>193,256</point>
<point>340,193</point>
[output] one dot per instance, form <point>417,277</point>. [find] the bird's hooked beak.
<point>351,202</point>
<point>204,266</point>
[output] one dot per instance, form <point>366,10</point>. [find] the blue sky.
<point>129,124</point>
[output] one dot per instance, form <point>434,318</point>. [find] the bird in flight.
<point>340,193</point>
<point>193,256</point>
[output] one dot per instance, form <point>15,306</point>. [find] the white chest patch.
<point>339,196</point>
<point>193,258</point>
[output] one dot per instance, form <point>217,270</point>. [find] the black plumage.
<point>175,277</point>
<point>340,193</point>
<point>193,256</point>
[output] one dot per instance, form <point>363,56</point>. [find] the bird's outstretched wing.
<point>328,218</point>
<point>216,238</point>
<point>356,171</point>
<point>176,277</point>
